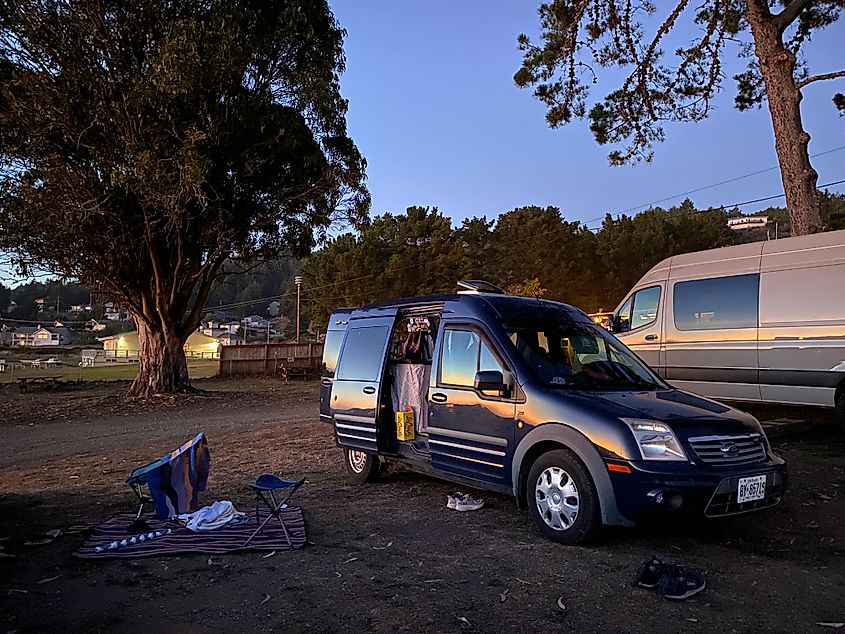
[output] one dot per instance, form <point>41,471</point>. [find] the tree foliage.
<point>528,288</point>
<point>145,142</point>
<point>529,250</point>
<point>579,38</point>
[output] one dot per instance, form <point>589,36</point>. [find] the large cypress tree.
<point>145,142</point>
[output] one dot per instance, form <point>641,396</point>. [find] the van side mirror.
<point>611,323</point>
<point>491,381</point>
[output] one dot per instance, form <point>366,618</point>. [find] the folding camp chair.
<point>172,482</point>
<point>265,488</point>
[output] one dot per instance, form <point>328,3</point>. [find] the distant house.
<point>39,304</point>
<point>5,336</point>
<point>125,346</point>
<point>80,308</point>
<point>114,313</point>
<point>231,326</point>
<point>225,333</point>
<point>229,339</point>
<point>92,325</point>
<point>38,336</point>
<point>256,324</point>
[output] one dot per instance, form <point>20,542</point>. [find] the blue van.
<point>530,398</point>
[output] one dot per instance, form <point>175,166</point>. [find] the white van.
<point>754,322</point>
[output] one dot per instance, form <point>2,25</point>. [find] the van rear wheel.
<point>839,414</point>
<point>362,466</point>
<point>562,498</point>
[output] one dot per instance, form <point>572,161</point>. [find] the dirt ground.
<point>384,557</point>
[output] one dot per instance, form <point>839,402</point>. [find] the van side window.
<point>640,310</point>
<point>331,350</point>
<point>464,354</point>
<point>623,317</point>
<point>360,359</point>
<point>721,302</point>
<point>646,303</point>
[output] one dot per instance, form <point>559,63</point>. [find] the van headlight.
<point>656,440</point>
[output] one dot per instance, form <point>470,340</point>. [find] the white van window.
<point>623,317</point>
<point>361,357</point>
<point>640,310</point>
<point>721,302</point>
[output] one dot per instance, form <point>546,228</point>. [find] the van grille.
<point>729,451</point>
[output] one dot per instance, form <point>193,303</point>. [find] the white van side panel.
<point>798,350</point>
<point>802,320</point>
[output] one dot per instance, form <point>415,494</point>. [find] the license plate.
<point>750,489</point>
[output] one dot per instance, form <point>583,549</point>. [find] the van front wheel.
<point>363,467</point>
<point>562,499</point>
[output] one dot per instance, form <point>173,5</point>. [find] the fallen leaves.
<point>48,580</point>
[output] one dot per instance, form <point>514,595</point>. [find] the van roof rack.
<point>478,286</point>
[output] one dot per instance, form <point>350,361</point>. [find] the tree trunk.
<point>162,365</point>
<point>777,65</point>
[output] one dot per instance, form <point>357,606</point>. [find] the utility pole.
<point>298,281</point>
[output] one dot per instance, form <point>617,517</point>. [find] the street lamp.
<point>298,281</point>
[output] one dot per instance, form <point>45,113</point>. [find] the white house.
<point>37,336</point>
<point>114,313</point>
<point>92,325</point>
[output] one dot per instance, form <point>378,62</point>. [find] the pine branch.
<point>812,78</point>
<point>790,13</point>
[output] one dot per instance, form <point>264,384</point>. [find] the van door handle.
<point>369,390</point>
<point>650,337</point>
<point>438,397</point>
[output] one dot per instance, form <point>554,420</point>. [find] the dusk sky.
<point>434,109</point>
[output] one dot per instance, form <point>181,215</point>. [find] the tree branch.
<point>790,13</point>
<point>812,78</point>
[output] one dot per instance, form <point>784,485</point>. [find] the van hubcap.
<point>557,498</point>
<point>357,460</point>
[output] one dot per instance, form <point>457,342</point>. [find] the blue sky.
<point>434,109</point>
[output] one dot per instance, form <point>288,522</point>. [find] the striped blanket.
<point>181,541</point>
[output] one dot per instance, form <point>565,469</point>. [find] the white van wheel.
<point>362,466</point>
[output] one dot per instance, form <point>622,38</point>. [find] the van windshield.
<point>579,356</point>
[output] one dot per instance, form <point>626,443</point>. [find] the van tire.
<point>839,410</point>
<point>363,467</point>
<point>566,465</point>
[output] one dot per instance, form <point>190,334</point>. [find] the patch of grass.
<point>197,368</point>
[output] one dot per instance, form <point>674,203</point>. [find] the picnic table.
<point>52,382</point>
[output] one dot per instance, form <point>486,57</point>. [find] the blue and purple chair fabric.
<point>174,480</point>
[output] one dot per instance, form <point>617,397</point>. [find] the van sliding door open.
<point>356,390</point>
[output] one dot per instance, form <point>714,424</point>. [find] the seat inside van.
<point>409,366</point>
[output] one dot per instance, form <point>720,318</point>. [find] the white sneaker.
<point>453,499</point>
<point>468,503</point>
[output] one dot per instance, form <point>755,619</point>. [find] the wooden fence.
<point>271,358</point>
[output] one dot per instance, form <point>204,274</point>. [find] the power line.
<point>705,187</point>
